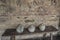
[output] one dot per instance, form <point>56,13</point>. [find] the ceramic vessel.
<point>42,27</point>
<point>20,29</point>
<point>31,28</point>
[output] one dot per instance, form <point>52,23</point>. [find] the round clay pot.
<point>20,29</point>
<point>42,27</point>
<point>31,28</point>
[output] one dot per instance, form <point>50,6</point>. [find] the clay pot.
<point>31,28</point>
<point>20,29</point>
<point>42,27</point>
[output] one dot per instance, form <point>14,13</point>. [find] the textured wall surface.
<point>27,12</point>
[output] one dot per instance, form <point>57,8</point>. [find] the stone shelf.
<point>26,34</point>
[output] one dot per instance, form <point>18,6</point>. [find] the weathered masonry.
<point>27,12</point>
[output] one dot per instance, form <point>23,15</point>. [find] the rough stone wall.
<point>58,8</point>
<point>27,12</point>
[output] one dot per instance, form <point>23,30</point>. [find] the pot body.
<point>31,28</point>
<point>42,27</point>
<point>20,29</point>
